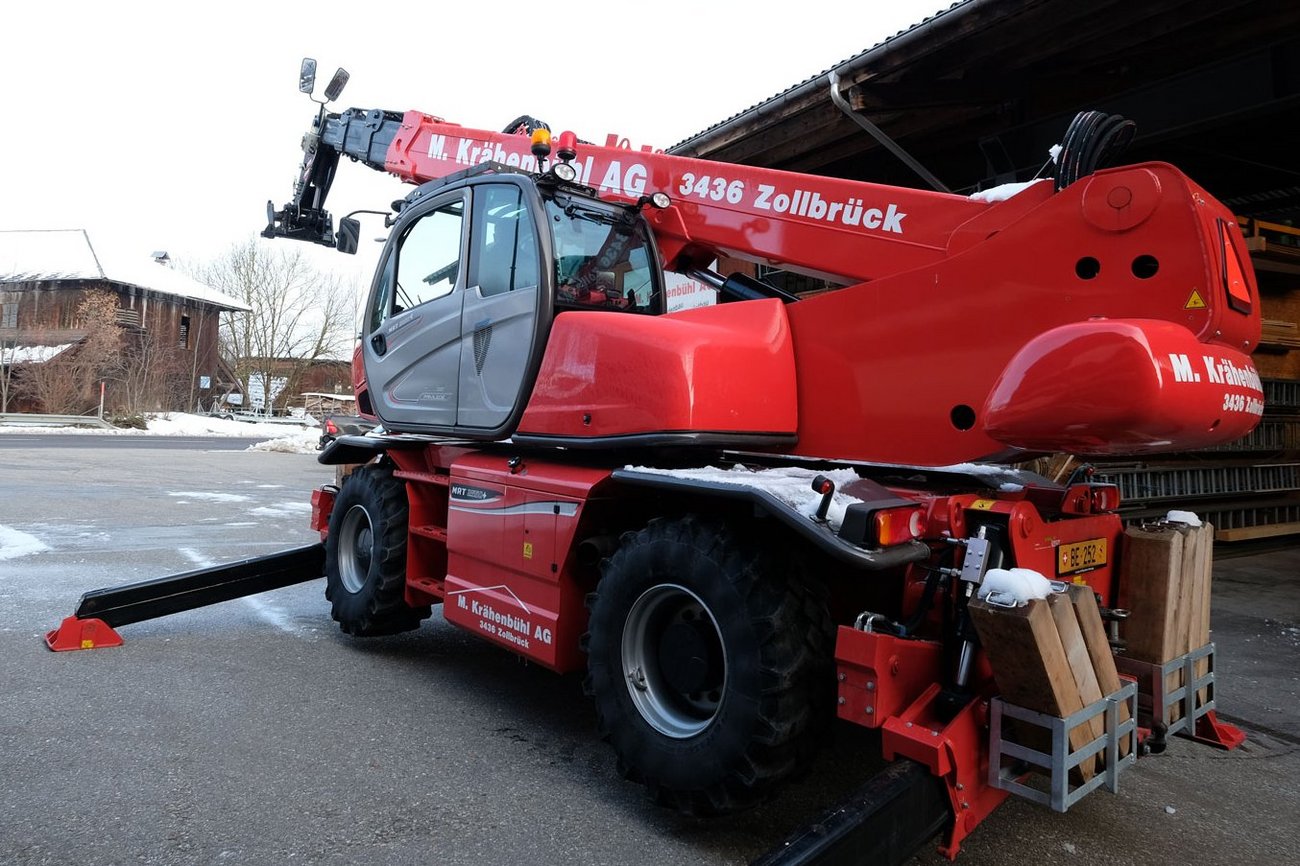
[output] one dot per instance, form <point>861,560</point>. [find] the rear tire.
<point>707,665</point>
<point>365,556</point>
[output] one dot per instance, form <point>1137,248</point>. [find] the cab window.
<point>428,258</point>
<point>603,258</point>
<point>504,239</point>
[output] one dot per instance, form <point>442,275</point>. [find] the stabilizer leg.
<point>102,610</point>
<point>882,823</point>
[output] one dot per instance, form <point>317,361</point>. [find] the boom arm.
<point>841,230</point>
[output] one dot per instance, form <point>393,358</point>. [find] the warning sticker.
<point>1194,301</point>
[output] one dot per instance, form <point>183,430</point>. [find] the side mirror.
<point>307,76</point>
<point>348,237</point>
<point>336,85</point>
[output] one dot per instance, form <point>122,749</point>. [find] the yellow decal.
<point>528,550</point>
<point>983,504</point>
<point>1194,302</point>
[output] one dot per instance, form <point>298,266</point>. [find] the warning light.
<point>567,146</point>
<point>541,143</point>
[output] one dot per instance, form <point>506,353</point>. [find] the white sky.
<point>167,126</point>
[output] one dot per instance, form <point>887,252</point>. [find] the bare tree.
<point>151,373</point>
<point>65,384</point>
<point>299,315</point>
<point>8,360</point>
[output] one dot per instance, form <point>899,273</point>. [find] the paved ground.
<point>254,732</point>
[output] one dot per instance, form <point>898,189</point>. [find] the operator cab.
<point>467,287</point>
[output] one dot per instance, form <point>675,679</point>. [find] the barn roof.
<point>67,254</point>
<point>979,91</point>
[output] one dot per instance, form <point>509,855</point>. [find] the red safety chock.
<point>1212,732</point>
<point>79,634</point>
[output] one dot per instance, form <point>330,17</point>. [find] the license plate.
<point>1080,557</point>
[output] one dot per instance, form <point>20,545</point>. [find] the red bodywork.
<point>1113,317</point>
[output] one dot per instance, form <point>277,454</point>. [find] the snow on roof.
<point>30,354</point>
<point>67,254</point>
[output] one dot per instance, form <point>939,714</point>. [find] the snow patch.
<point>1187,517</point>
<point>791,485</point>
<point>1013,587</point>
<point>15,543</point>
<point>183,424</point>
<point>282,509</point>
<point>1004,191</point>
<point>295,442</point>
<point>210,497</point>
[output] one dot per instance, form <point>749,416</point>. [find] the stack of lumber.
<point>1165,585</point>
<point>1052,656</point>
<point>1276,332</point>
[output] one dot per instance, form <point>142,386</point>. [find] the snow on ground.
<point>14,543</point>
<point>288,438</point>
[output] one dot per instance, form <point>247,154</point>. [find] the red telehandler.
<point>745,519</point>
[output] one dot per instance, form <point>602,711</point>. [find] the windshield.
<point>603,257</point>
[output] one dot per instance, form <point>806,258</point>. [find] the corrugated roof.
<point>67,254</point>
<point>821,75</point>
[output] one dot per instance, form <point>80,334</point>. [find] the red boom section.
<point>839,229</point>
<point>1082,327</point>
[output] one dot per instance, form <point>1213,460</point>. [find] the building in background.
<point>46,275</point>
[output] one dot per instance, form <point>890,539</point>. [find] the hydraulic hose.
<point>1092,141</point>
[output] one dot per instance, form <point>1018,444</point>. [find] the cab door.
<point>411,345</point>
<point>500,317</point>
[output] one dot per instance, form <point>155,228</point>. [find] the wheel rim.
<point>674,661</point>
<point>356,543</point>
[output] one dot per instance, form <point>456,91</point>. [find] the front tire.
<point>706,663</point>
<point>365,556</point>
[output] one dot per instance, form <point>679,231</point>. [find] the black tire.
<point>709,667</point>
<point>365,556</point>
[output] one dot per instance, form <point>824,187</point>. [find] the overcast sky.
<point>167,126</point>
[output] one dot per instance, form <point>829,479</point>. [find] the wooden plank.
<point>1199,619</point>
<point>1080,662</point>
<point>1245,533</point>
<point>1030,665</point>
<point>1099,651</point>
<point>1158,597</point>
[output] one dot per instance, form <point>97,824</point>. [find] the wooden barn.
<point>46,275</point>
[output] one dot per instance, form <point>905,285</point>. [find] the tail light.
<point>1105,497</point>
<point>322,504</point>
<point>330,427</point>
<point>899,525</point>
<point>1233,274</point>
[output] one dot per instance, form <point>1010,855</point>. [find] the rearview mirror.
<point>336,85</point>
<point>307,75</point>
<point>348,237</point>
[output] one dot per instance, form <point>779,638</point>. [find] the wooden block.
<point>1080,662</point>
<point>1154,592</point>
<point>1030,665</point>
<point>1099,651</point>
